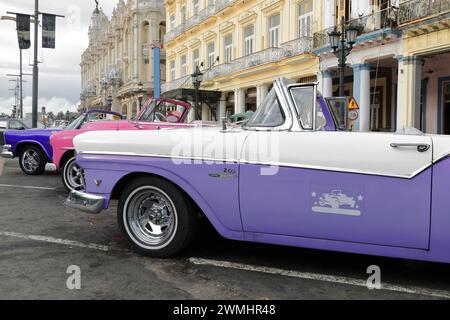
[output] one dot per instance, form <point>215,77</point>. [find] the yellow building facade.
<point>242,46</point>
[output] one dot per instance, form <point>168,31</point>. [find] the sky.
<point>59,72</point>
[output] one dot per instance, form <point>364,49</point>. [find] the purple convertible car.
<point>33,147</point>
<point>287,177</point>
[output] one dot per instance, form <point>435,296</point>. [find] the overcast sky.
<point>59,74</point>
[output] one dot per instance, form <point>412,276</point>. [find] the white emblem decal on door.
<point>337,202</point>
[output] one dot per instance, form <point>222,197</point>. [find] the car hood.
<point>32,132</point>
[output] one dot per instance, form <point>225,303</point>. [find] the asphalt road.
<point>40,238</point>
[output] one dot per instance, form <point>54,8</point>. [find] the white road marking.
<point>64,242</point>
<point>319,277</point>
<point>26,187</point>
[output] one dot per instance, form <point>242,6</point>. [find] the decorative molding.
<point>247,16</point>
<point>208,35</point>
<point>271,5</point>
<point>194,43</point>
<point>227,27</point>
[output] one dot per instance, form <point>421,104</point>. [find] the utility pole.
<point>34,107</point>
<point>36,21</point>
<point>20,83</point>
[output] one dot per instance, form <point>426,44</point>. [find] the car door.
<point>371,188</point>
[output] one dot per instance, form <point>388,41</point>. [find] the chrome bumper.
<point>85,202</point>
<point>6,152</point>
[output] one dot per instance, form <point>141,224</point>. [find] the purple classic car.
<point>33,147</point>
<point>287,177</point>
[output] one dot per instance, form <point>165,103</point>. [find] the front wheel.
<point>32,161</point>
<point>155,217</point>
<point>72,175</point>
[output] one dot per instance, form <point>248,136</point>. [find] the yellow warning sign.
<point>353,105</point>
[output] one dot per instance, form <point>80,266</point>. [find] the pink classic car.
<point>156,114</point>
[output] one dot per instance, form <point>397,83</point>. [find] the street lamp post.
<point>197,78</point>
<point>109,102</point>
<point>140,94</point>
<point>342,44</point>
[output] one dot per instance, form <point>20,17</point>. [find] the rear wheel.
<point>155,217</point>
<point>72,175</point>
<point>32,160</point>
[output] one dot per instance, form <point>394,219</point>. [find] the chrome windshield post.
<point>314,120</point>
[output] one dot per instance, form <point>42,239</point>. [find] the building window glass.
<point>211,54</point>
<point>305,18</point>
<point>249,39</point>
<point>196,58</point>
<point>274,31</point>
<point>172,70</point>
<point>172,22</point>
<point>183,14</point>
<point>196,5</point>
<point>183,66</point>
<point>228,45</point>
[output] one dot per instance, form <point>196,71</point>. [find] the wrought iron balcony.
<point>198,18</point>
<point>413,10</point>
<point>89,91</point>
<point>384,19</point>
<point>112,77</point>
<point>297,46</point>
<point>182,82</point>
<point>246,62</point>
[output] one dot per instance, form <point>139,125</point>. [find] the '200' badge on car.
<point>226,174</point>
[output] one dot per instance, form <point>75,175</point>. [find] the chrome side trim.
<point>273,164</point>
<point>85,202</point>
<point>131,154</point>
<point>6,152</point>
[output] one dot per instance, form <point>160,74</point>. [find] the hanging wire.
<point>383,25</point>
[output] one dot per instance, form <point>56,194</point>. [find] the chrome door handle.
<point>421,147</point>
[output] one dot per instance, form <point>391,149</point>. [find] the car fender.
<point>113,178</point>
<point>22,142</point>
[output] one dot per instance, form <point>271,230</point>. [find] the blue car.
<point>33,147</point>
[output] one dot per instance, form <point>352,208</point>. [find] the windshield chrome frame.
<point>284,104</point>
<point>294,105</point>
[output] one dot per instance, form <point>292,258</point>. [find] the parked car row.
<point>10,124</point>
<point>290,175</point>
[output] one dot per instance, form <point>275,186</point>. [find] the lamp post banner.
<point>48,31</point>
<point>23,31</point>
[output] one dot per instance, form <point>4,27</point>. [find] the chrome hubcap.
<point>151,216</point>
<point>30,160</point>
<point>75,177</point>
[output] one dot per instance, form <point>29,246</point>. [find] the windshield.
<point>162,111</point>
<point>76,123</point>
<point>269,114</point>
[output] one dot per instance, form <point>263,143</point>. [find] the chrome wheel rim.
<point>30,160</point>
<point>150,217</point>
<point>74,176</point>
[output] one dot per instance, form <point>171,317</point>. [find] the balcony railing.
<point>297,46</point>
<point>287,50</point>
<point>182,82</point>
<point>418,9</point>
<point>250,61</point>
<point>198,18</point>
<point>386,18</point>
<point>89,91</point>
